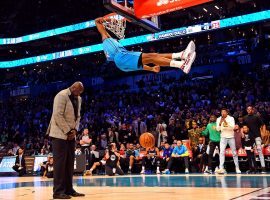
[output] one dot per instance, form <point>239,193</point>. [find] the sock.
<point>157,168</point>
<point>143,168</point>
<point>91,170</point>
<point>177,64</point>
<point>178,55</point>
<point>129,167</point>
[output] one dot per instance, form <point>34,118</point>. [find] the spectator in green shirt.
<point>214,137</point>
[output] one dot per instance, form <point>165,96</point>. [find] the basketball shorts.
<point>102,162</point>
<point>128,61</point>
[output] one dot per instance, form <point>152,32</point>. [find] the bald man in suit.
<point>62,129</point>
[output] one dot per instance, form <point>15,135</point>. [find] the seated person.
<point>122,150</point>
<point>112,165</point>
<point>162,146</point>
<point>42,152</point>
<point>122,159</point>
<point>92,157</point>
<point>138,147</point>
<point>151,160</point>
<point>200,156</point>
<point>248,143</point>
<point>49,169</point>
<point>20,163</point>
<point>131,156</point>
<point>167,152</point>
<point>179,153</point>
<point>44,164</point>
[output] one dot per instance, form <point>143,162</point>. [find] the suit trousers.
<point>63,165</point>
<point>21,171</point>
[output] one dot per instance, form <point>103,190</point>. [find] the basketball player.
<point>151,159</point>
<point>112,161</point>
<point>132,61</point>
<point>100,163</point>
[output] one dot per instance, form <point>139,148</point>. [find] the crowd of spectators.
<point>168,110</point>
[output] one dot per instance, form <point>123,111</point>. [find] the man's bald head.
<point>76,88</point>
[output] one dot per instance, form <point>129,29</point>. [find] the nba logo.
<point>215,24</point>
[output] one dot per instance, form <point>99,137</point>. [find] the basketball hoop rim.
<point>115,14</point>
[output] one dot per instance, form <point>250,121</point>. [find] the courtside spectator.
<point>194,134</point>
<point>91,156</point>
<point>49,169</point>
<point>132,155</point>
<point>199,156</point>
<point>19,166</point>
<point>248,141</point>
<point>85,141</point>
<point>151,160</point>
<point>179,153</point>
<point>254,123</point>
<point>214,137</point>
<point>226,124</point>
<point>166,154</point>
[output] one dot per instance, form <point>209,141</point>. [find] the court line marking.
<point>249,193</point>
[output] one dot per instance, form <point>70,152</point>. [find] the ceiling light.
<point>217,7</point>
<point>205,9</point>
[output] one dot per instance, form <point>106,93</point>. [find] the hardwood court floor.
<point>148,187</point>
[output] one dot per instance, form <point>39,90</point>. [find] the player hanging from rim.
<point>132,61</point>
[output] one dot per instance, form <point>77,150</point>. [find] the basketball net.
<point>116,24</point>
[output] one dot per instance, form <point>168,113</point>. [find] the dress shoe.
<point>76,194</point>
<point>61,196</point>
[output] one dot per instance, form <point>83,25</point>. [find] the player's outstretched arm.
<point>101,29</point>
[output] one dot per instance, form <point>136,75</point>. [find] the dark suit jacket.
<point>22,161</point>
<point>199,151</point>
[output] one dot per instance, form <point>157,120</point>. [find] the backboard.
<point>125,8</point>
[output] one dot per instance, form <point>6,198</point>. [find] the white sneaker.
<point>190,49</point>
<point>157,172</point>
<point>186,171</point>
<point>221,171</point>
<point>237,170</point>
<point>142,172</point>
<point>188,62</point>
<point>216,169</point>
